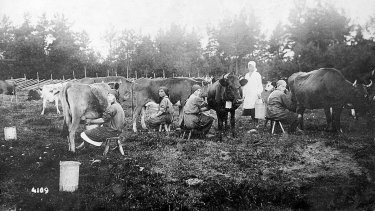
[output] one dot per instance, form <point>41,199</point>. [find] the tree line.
<point>320,36</point>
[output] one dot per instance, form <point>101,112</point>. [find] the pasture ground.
<point>256,170</point>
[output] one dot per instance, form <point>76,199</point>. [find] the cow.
<point>86,101</point>
<point>51,93</point>
<point>268,89</point>
<point>326,88</point>
<point>113,81</point>
<point>369,78</point>
<point>108,79</point>
<point>146,90</point>
<point>225,96</point>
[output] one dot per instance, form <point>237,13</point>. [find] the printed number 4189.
<point>39,190</point>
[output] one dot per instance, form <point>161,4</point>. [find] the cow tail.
<point>66,110</point>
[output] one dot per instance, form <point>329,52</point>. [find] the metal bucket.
<point>260,109</point>
<point>69,176</point>
<point>89,127</point>
<point>10,133</point>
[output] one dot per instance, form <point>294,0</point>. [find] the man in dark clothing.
<point>278,107</point>
<point>193,116</point>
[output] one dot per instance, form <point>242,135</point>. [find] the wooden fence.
<point>33,84</point>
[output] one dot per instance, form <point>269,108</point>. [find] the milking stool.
<point>167,128</point>
<point>273,124</point>
<point>107,143</point>
<point>188,131</point>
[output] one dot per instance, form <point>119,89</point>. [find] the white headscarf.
<point>252,64</point>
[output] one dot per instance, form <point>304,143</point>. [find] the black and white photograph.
<point>182,105</point>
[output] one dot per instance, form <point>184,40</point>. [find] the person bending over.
<point>278,107</point>
<point>113,121</point>
<point>193,118</point>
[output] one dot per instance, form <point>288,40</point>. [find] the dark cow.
<point>146,90</point>
<point>327,89</point>
<point>86,101</point>
<point>227,90</point>
<point>369,78</point>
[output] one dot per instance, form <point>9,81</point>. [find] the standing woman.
<point>165,111</point>
<point>252,90</point>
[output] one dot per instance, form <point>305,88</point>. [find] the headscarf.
<point>280,83</point>
<point>195,87</point>
<point>165,89</point>
<point>253,64</point>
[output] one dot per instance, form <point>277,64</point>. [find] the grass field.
<point>257,171</point>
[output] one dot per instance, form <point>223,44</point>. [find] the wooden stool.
<point>186,131</point>
<point>273,124</point>
<point>107,142</point>
<point>167,128</point>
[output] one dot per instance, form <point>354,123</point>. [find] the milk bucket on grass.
<point>69,176</point>
<point>260,109</point>
<point>10,133</point>
<point>92,126</point>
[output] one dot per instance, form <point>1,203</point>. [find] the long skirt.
<point>198,122</point>
<point>100,134</point>
<point>162,119</point>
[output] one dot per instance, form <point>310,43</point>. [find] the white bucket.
<point>260,109</point>
<point>10,133</point>
<point>69,175</point>
<point>89,127</point>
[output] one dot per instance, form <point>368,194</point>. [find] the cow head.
<point>232,87</point>
<point>125,90</point>
<point>269,86</point>
<point>361,101</point>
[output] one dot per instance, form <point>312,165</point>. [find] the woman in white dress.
<point>252,90</point>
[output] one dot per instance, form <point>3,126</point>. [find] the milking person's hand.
<point>259,96</point>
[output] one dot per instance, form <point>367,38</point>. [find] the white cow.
<point>51,93</point>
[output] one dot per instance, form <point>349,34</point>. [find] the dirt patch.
<point>319,160</point>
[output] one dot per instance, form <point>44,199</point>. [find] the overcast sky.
<point>147,16</point>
